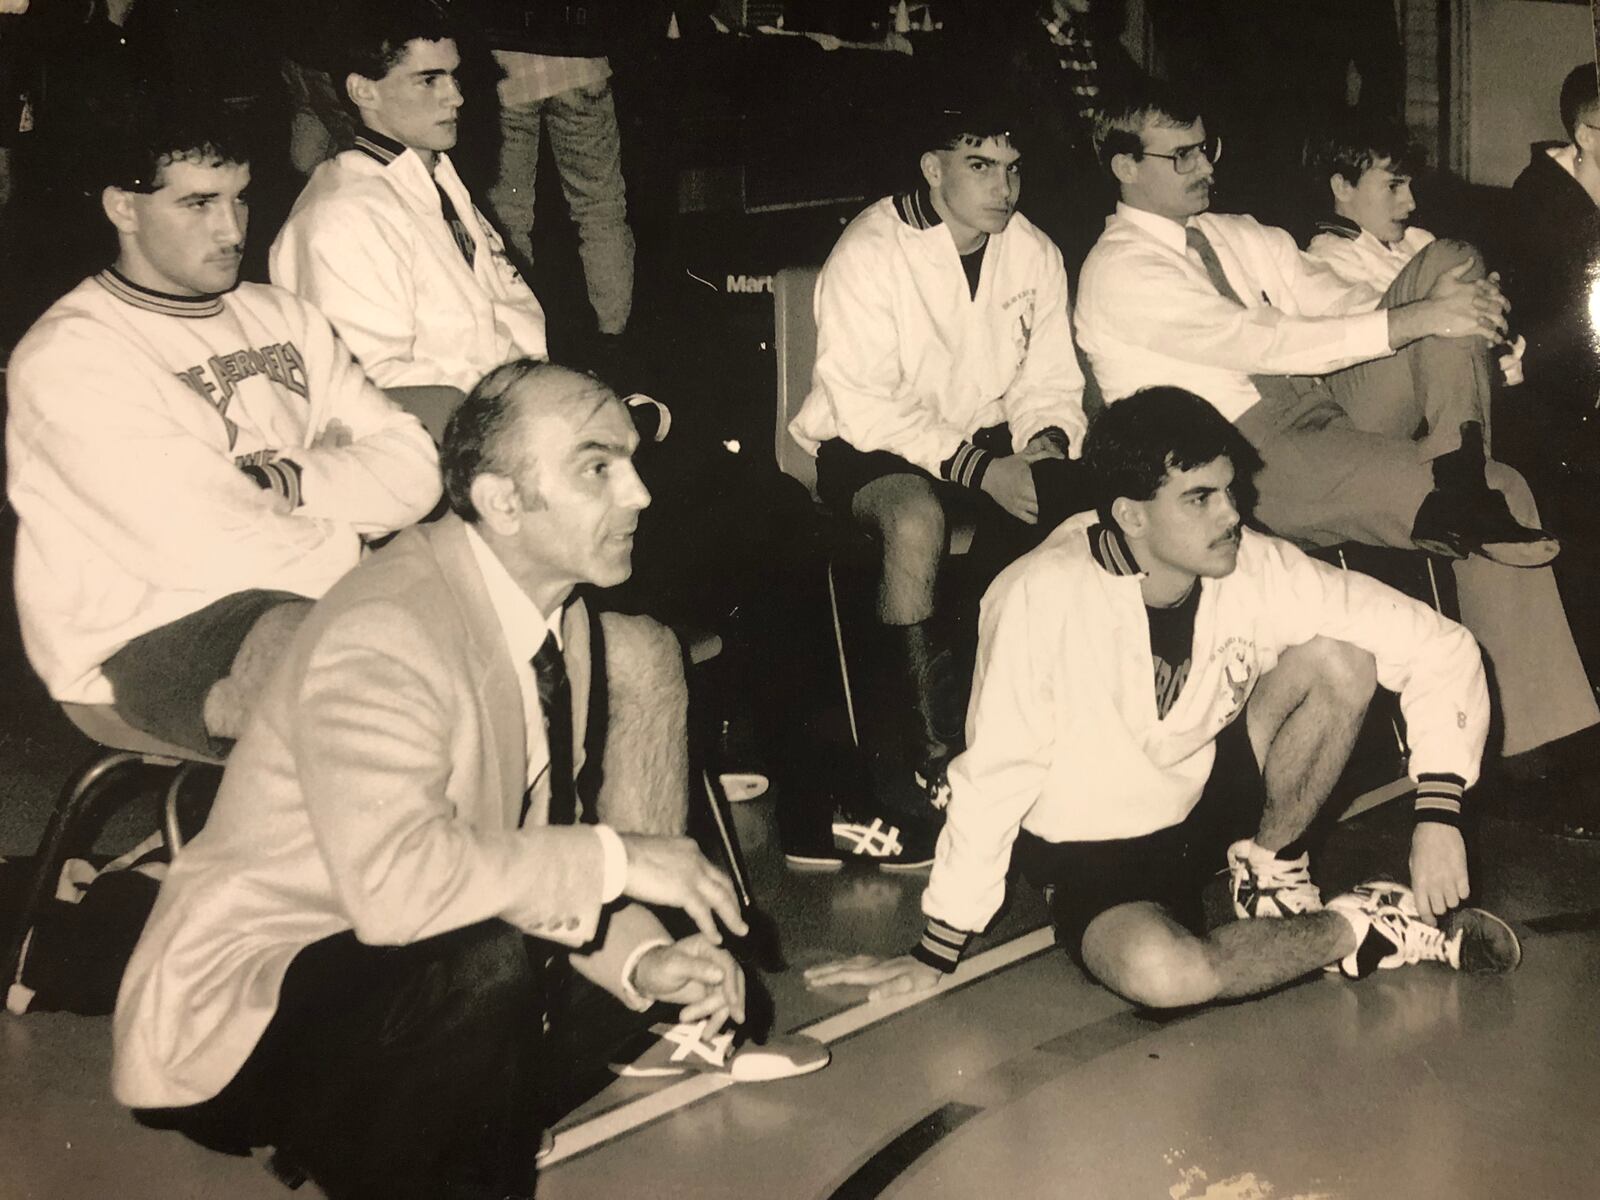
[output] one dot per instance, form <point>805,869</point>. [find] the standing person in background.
<point>1554,239</point>
<point>558,82</point>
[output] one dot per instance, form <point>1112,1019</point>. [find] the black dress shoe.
<point>1454,524</point>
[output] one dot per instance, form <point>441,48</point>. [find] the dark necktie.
<point>555,702</point>
<point>458,228</point>
<point>1201,245</point>
<point>1281,389</point>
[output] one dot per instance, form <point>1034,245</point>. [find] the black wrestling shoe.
<point>1456,524</point>
<point>896,845</point>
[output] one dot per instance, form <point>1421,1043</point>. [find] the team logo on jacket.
<point>217,379</point>
<point>1022,330</point>
<point>1238,670</point>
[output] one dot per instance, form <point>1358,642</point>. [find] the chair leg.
<point>76,799</point>
<point>844,665</point>
<point>172,820</point>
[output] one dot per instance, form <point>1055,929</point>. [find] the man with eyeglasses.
<point>1306,365</point>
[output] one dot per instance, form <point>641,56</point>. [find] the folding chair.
<point>795,340</point>
<point>71,825</point>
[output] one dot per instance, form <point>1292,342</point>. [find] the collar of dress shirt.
<point>524,625</point>
<point>1169,232</point>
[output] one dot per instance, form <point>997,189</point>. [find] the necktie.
<point>1201,245</point>
<point>458,228</point>
<point>1281,389</point>
<point>555,702</point>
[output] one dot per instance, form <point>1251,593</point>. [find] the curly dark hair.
<point>1133,443</point>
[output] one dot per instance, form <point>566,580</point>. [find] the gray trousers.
<point>1349,458</point>
<point>582,124</point>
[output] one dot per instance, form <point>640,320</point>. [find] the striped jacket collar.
<point>162,303</point>
<point>377,147</point>
<point>1339,226</point>
<point>1110,550</point>
<point>916,209</point>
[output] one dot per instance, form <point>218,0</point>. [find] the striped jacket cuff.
<point>281,475</point>
<point>1056,436</point>
<point>941,946</point>
<point>966,466</point>
<point>1438,798</point>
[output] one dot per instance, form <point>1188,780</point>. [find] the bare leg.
<point>904,515</point>
<point>1303,719</point>
<point>646,787</point>
<point>1138,951</point>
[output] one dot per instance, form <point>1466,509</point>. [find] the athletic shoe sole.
<point>814,862</point>
<point>1488,945</point>
<point>1536,553</point>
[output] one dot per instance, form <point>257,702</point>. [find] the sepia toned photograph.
<point>802,599</point>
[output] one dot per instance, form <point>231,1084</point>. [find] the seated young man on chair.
<point>1161,691</point>
<point>946,389</point>
<point>386,241</point>
<point>192,459</point>
<point>1364,170</point>
<point>1366,406</point>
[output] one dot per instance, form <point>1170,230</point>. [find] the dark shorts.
<point>1169,867</point>
<point>160,679</point>
<point>842,471</point>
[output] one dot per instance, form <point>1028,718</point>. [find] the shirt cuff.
<point>631,995</point>
<point>614,859</point>
<point>966,466</point>
<point>1057,437</point>
<point>1438,799</point>
<point>280,475</point>
<point>941,946</point>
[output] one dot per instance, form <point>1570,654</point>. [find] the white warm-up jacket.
<point>1062,734</point>
<point>367,243</point>
<point>910,361</point>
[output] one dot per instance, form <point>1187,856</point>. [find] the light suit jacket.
<point>377,789</point>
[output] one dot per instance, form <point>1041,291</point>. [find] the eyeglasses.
<point>1187,159</point>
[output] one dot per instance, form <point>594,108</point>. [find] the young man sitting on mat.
<point>1122,798</point>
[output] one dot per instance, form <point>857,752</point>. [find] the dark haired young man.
<point>1330,382</point>
<point>385,238</point>
<point>1155,681</point>
<point>1363,171</point>
<point>191,461</point>
<point>945,382</point>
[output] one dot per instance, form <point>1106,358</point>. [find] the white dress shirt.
<point>1148,314</point>
<point>526,628</point>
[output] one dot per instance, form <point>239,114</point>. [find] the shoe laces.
<point>1415,941</point>
<point>878,839</point>
<point>689,1040</point>
<point>1277,873</point>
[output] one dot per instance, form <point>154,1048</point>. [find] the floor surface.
<point>1029,1080</point>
